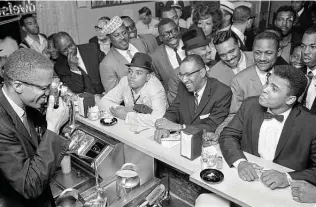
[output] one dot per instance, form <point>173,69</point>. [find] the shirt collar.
<point>18,110</point>
<point>78,54</point>
<point>263,72</point>
<point>285,114</point>
<point>300,12</point>
<point>31,41</point>
<point>124,51</point>
<point>179,47</point>
<point>242,58</point>
<point>239,33</point>
<point>313,71</point>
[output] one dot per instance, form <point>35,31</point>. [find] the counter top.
<point>144,143</point>
<point>253,193</point>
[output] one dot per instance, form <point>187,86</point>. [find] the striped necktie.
<point>196,101</point>
<point>177,55</point>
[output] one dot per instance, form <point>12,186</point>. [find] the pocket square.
<point>204,116</point>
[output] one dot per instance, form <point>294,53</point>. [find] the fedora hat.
<point>194,38</point>
<point>141,60</point>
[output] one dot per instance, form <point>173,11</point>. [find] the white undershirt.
<point>241,64</point>
<point>131,48</point>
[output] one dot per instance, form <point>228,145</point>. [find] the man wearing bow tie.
<point>274,127</point>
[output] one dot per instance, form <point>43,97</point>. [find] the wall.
<point>87,17</point>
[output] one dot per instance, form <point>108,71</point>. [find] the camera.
<point>58,89</point>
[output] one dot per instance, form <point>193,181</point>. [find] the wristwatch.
<point>183,126</point>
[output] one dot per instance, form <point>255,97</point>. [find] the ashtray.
<point>212,176</point>
<point>108,121</point>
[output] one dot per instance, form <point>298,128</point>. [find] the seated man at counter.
<point>275,127</point>
<point>143,94</point>
<point>201,101</point>
<point>27,162</point>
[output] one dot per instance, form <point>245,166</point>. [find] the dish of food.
<point>212,176</point>
<point>108,121</point>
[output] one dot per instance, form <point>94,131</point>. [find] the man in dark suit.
<point>304,20</point>
<point>274,127</point>
<point>200,102</point>
<point>309,59</point>
<point>101,40</point>
<point>148,39</point>
<point>78,65</point>
<point>28,160</point>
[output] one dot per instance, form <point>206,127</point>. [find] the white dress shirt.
<point>131,48</point>
<point>105,46</point>
<point>238,33</point>
<point>241,64</point>
<point>38,46</point>
<point>151,28</point>
<point>269,136</point>
<point>200,93</point>
<point>311,92</point>
<point>80,62</point>
<point>262,75</point>
<point>172,55</point>
<point>18,110</point>
<point>152,94</point>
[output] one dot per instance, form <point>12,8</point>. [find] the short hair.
<point>51,37</point>
<point>204,10</point>
<point>104,18</point>
<point>60,35</point>
<point>23,65</point>
<point>24,17</point>
<point>311,30</point>
<point>286,8</point>
<point>241,14</point>
<point>165,21</point>
<point>145,10</point>
<point>223,36</point>
<point>194,58</point>
<point>167,8</point>
<point>125,17</point>
<point>296,78</point>
<point>268,36</point>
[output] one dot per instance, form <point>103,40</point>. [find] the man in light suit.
<point>233,60</point>
<point>169,55</point>
<point>77,66</point>
<point>200,102</point>
<point>148,39</point>
<point>113,67</point>
<point>275,127</point>
<point>28,159</point>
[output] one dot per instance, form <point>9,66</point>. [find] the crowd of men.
<point>252,92</point>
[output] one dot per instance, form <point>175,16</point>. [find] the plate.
<point>108,121</point>
<point>212,176</point>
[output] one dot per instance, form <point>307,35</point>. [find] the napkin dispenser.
<point>191,143</point>
<point>85,100</point>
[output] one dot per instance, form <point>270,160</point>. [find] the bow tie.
<point>267,115</point>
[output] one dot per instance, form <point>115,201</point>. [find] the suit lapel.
<point>256,125</point>
<point>119,57</point>
<point>165,58</point>
<point>256,83</point>
<point>287,131</point>
<point>204,100</point>
<point>15,119</point>
<point>85,60</point>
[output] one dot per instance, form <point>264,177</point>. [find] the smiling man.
<point>142,93</point>
<point>275,127</point>
<point>113,67</point>
<point>201,102</point>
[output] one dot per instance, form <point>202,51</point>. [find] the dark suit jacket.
<point>150,41</point>
<point>26,165</point>
<point>90,82</point>
<point>296,148</point>
<point>304,22</point>
<point>212,109</point>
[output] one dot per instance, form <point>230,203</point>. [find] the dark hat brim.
<point>197,45</point>
<point>140,66</point>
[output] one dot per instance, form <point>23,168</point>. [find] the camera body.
<point>58,89</point>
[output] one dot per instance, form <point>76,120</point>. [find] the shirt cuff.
<point>76,71</point>
<point>289,178</point>
<point>236,163</point>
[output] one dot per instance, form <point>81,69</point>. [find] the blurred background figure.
<point>101,40</point>
<point>227,9</point>
<point>50,51</point>
<point>147,23</point>
<point>178,6</point>
<point>296,59</point>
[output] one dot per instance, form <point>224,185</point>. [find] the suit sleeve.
<point>237,98</point>
<point>172,112</point>
<point>230,138</point>
<point>173,86</point>
<point>73,80</point>
<point>108,76</point>
<point>308,174</point>
<point>217,115</point>
<point>30,176</point>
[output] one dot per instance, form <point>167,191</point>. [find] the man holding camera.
<point>27,162</point>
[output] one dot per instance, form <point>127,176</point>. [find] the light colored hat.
<point>227,6</point>
<point>243,3</point>
<point>112,25</point>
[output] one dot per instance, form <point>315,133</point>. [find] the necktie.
<point>26,123</point>
<point>268,75</point>
<point>196,101</point>
<point>129,54</point>
<point>177,55</point>
<point>268,115</point>
<point>310,76</point>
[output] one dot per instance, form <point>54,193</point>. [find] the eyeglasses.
<point>187,75</point>
<point>131,27</point>
<point>42,88</point>
<point>98,29</point>
<point>167,34</point>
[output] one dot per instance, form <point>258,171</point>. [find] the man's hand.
<point>161,133</point>
<point>274,179</point>
<point>56,118</point>
<point>164,123</point>
<point>119,112</point>
<point>72,61</point>
<point>247,171</point>
<point>303,191</point>
<point>211,138</point>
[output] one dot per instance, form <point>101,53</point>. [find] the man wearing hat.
<point>142,93</point>
<point>178,6</point>
<point>227,9</point>
<point>113,67</point>
<point>194,42</point>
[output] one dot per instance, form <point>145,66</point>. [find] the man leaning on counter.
<point>201,101</point>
